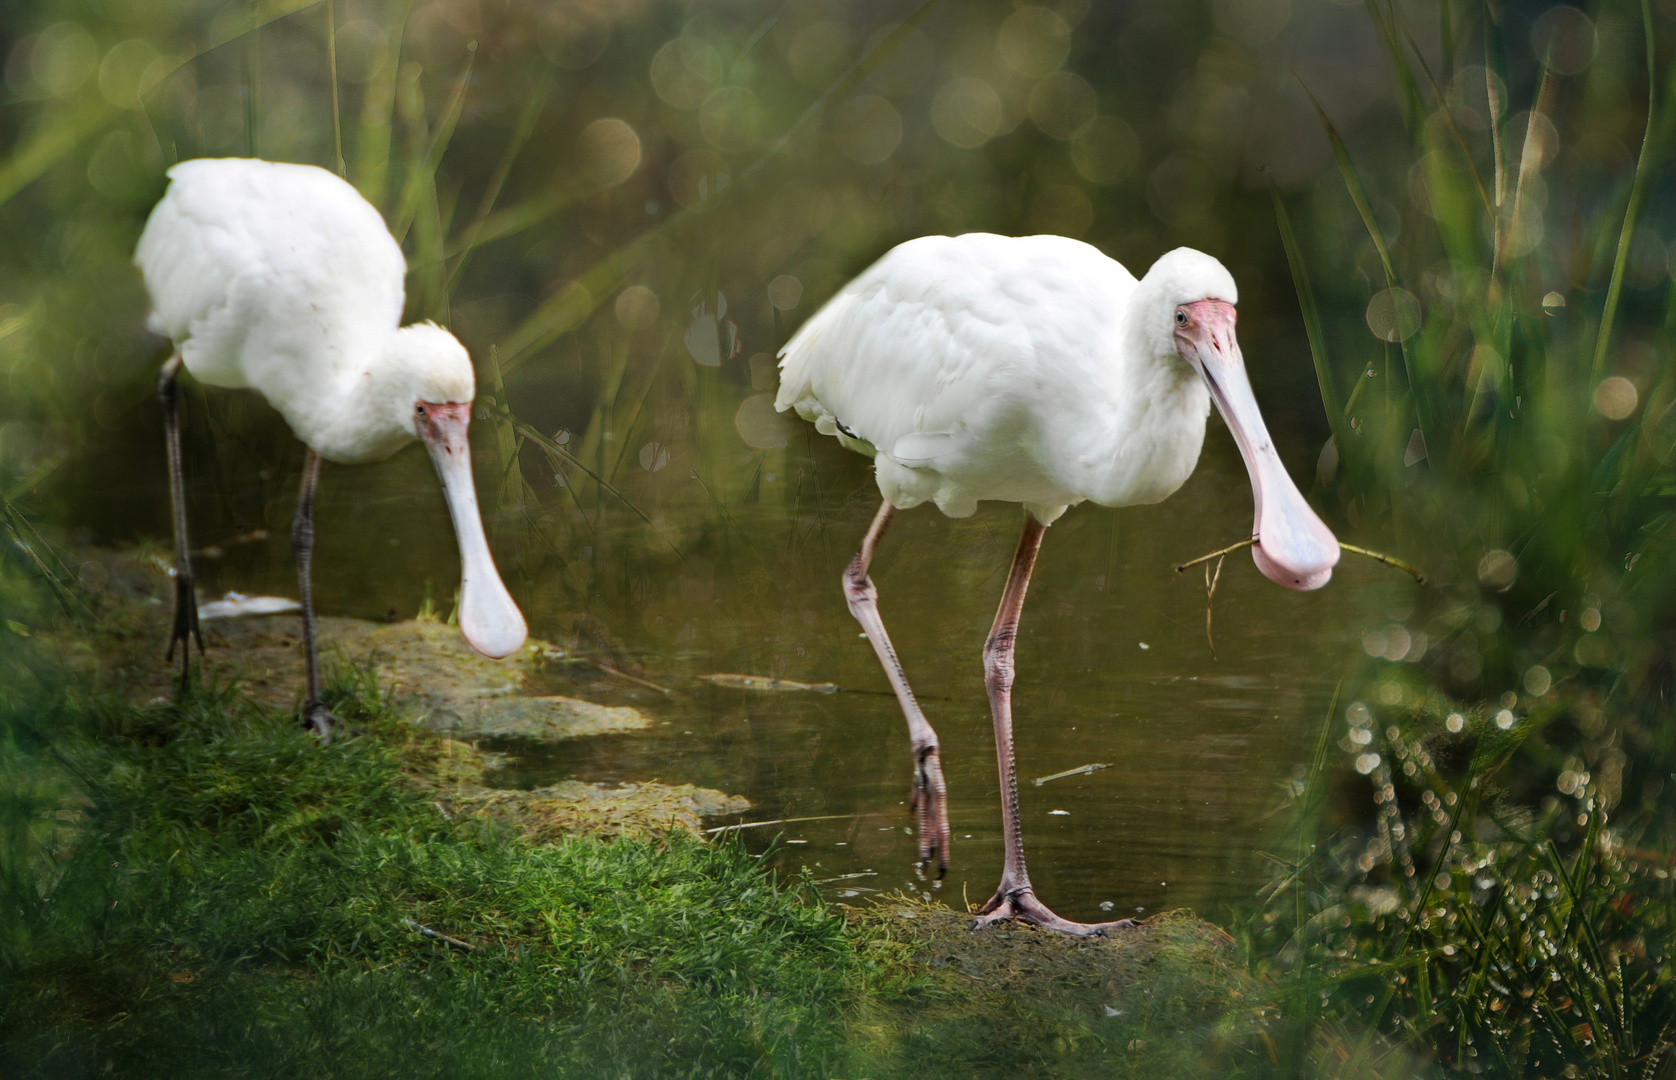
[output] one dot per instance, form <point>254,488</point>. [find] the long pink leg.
<point>930,796</point>
<point>1015,898</point>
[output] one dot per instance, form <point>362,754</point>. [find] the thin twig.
<point>618,673</point>
<point>1210,599</point>
<point>776,821</point>
<point>1229,550</point>
<point>1388,560</point>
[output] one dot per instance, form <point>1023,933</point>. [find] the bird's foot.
<point>1021,904</point>
<point>931,807</point>
<point>319,719</point>
<point>185,628</point>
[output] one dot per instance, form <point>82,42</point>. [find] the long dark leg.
<point>930,797</point>
<point>315,713</point>
<point>186,601</point>
<point>1015,898</point>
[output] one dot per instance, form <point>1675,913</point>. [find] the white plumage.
<point>283,280</point>
<point>990,367</point>
<point>1032,370</point>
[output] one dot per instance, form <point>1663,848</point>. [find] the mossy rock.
<point>428,675</point>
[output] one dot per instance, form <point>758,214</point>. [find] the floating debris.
<point>759,682</point>
<point>618,673</point>
<point>1080,770</point>
<point>238,606</point>
<point>216,551</point>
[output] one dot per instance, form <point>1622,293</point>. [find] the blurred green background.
<point>1456,305</point>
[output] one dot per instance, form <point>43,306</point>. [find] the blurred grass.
<point>1495,895</point>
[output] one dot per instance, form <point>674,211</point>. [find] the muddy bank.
<point>1166,997</point>
<point>430,676</point>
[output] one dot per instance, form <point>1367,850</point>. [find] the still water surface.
<point>1114,667</point>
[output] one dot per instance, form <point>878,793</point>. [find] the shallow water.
<point>1114,668</point>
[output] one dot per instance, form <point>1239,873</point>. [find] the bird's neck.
<point>362,421</point>
<point>1156,406</point>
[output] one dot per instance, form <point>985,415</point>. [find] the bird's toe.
<point>319,719</point>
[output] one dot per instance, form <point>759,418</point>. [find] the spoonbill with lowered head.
<point>1032,370</point>
<point>282,279</point>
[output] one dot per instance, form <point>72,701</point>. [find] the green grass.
<point>1480,883</point>
<point>234,903</point>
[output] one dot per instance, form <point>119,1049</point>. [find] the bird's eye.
<point>420,408</point>
<point>1181,317</point>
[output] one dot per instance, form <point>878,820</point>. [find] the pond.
<point>1115,669</point>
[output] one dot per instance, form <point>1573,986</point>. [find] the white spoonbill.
<point>1032,370</point>
<point>282,279</point>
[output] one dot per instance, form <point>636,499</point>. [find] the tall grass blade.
<point>627,428</point>
<point>1446,33</point>
<point>1353,184</point>
<point>1530,157</point>
<point>1448,115</point>
<point>524,214</point>
<point>521,133</point>
<point>1312,317</point>
<point>45,562</point>
<point>377,124</point>
<point>1359,196</point>
<point>332,73</point>
<point>555,450</point>
<point>1495,78</point>
<point>252,107</point>
<point>420,182</point>
<point>1644,163</point>
<point>1413,109</point>
<point>515,491</point>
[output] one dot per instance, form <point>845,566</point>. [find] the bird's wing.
<point>923,449</point>
<point>907,355</point>
<point>255,268</point>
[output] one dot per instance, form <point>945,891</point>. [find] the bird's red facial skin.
<point>443,426</point>
<point>1210,326</point>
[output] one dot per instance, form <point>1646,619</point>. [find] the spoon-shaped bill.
<point>1294,547</point>
<point>489,619</point>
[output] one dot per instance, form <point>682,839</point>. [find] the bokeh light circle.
<point>1393,314</point>
<point>1033,41</point>
<point>966,112</point>
<point>609,152</point>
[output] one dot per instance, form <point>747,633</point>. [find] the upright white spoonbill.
<point>282,279</point>
<point>1032,370</point>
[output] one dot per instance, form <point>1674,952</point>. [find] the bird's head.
<point>430,364</point>
<point>1196,295</point>
<point>437,387</point>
